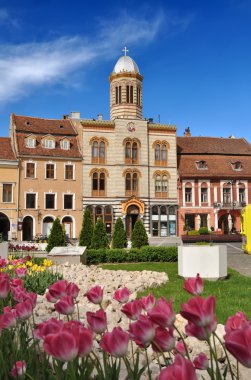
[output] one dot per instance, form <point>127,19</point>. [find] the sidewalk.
<point>238,260</point>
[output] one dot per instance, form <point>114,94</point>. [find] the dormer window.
<point>237,165</point>
<point>201,165</point>
<point>30,142</point>
<point>49,144</point>
<point>65,144</point>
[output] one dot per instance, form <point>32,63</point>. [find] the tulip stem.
<point>225,351</point>
<point>181,337</point>
<point>148,367</point>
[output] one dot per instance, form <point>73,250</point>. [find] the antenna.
<point>159,118</point>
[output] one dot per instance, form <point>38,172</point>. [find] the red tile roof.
<point>6,152</point>
<point>37,125</point>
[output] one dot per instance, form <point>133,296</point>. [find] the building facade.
<point>129,162</point>
<point>9,182</point>
<point>50,175</point>
<point>214,182</point>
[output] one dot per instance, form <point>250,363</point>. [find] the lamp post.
<point>231,182</point>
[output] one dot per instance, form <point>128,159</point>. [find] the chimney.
<point>75,115</point>
<point>100,116</point>
<point>187,132</point>
<point>150,120</point>
<point>65,117</point>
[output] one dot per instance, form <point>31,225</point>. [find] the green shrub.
<point>139,235</point>
<point>57,236</point>
<point>119,239</point>
<point>203,231</point>
<point>99,237</point>
<point>38,282</point>
<point>86,232</point>
<point>193,233</point>
<point>151,254</point>
<point>202,243</point>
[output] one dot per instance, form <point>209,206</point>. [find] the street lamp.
<point>231,182</point>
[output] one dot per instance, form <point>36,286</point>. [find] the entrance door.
<point>67,222</point>
<point>4,226</point>
<point>27,228</point>
<point>47,224</point>
<point>223,224</point>
<point>131,217</point>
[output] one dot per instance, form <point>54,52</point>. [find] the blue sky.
<point>195,56</point>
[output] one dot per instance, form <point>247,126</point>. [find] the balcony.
<point>229,205</point>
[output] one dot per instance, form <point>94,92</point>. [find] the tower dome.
<point>126,64</point>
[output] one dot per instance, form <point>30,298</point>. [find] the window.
<point>188,193</point>
<point>226,195</point>
<point>203,195</point>
<point>98,183</point>
<point>68,201</point>
<point>201,164</point>
<point>7,193</point>
<point>104,213</point>
<point>30,200</point>
<point>138,96</point>
<point>129,94</point>
<point>163,221</point>
<point>98,151</point>
<point>30,142</point>
<point>50,171</point>
<point>49,144</point>
<point>161,184</point>
<point>68,171</point>
<point>131,183</point>
<point>30,170</point>
<point>118,94</point>
<point>237,165</point>
<point>242,195</point>
<point>65,144</point>
<point>50,201</point>
<point>160,153</point>
<point>131,152</point>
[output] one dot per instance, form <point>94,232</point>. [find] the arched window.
<point>128,182</point>
<point>98,183</point>
<point>131,151</point>
<point>161,184</point>
<point>204,193</point>
<point>160,152</point>
<point>108,219</point>
<point>98,151</point>
<point>188,192</point>
<point>131,183</point>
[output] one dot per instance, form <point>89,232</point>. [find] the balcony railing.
<point>229,205</point>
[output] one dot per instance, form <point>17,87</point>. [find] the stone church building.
<point>129,162</point>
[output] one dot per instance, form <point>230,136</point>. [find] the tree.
<point>99,237</point>
<point>139,235</point>
<point>57,236</point>
<point>119,239</point>
<point>86,232</point>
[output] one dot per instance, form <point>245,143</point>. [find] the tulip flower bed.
<point>65,348</point>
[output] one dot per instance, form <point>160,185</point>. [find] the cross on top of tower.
<point>125,50</point>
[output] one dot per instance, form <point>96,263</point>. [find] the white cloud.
<point>26,66</point>
<point>6,18</point>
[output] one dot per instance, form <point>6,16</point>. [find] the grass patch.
<point>232,294</point>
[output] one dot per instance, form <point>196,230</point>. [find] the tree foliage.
<point>119,239</point>
<point>139,235</point>
<point>86,232</point>
<point>99,237</point>
<point>57,236</point>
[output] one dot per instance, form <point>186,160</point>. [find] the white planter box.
<point>209,261</point>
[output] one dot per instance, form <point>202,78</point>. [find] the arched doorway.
<point>225,223</point>
<point>68,226</point>
<point>132,215</point>
<point>47,224</point>
<point>4,226</point>
<point>27,228</point>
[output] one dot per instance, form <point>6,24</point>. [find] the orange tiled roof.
<point>30,124</point>
<point>6,152</point>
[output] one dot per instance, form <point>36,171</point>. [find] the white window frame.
<point>73,201</point>
<point>73,165</point>
<point>12,192</point>
<point>65,144</point>
<point>208,191</point>
<point>35,169</point>
<point>49,143</point>
<point>184,182</point>
<point>30,142</point>
<point>55,203</point>
<point>36,200</point>
<point>55,169</point>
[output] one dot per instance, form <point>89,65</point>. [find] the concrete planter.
<point>209,261</point>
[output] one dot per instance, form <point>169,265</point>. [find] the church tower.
<point>126,89</point>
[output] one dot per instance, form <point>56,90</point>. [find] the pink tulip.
<point>95,295</point>
<point>18,370</point>
<point>3,262</point>
<point>24,309</point>
<point>132,309</point>
<point>163,314</point>
<point>148,302</point>
<point>97,321</point>
<point>181,369</point>
<point>4,287</point>
<point>201,333</point>
<point>164,340</point>
<point>85,341</point>
<point>201,361</point>
<point>58,289</point>
<point>65,306</point>
<point>194,286</point>
<point>20,272</point>
<point>19,293</point>
<point>32,297</point>
<point>8,318</point>
<point>72,290</point>
<point>52,326</point>
<point>180,348</point>
<point>142,331</point>
<point>235,322</point>
<point>15,282</point>
<point>115,342</point>
<point>200,311</point>
<point>238,343</point>
<point>50,298</point>
<point>62,346</point>
<point>122,295</point>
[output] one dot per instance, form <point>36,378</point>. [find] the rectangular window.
<point>188,195</point>
<point>30,170</point>
<point>119,94</point>
<point>65,144</point>
<point>68,201</point>
<point>131,94</point>
<point>68,171</point>
<point>203,195</point>
<point>226,196</point>
<point>242,197</point>
<point>30,200</point>
<point>49,144</point>
<point>7,192</point>
<point>50,201</point>
<point>30,143</point>
<point>50,171</point>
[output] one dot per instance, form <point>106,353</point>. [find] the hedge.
<point>154,254</point>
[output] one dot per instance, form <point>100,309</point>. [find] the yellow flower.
<point>29,263</point>
<point>10,257</point>
<point>47,263</point>
<point>10,267</point>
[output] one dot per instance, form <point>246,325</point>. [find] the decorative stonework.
<point>133,201</point>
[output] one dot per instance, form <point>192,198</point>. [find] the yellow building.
<point>8,190</point>
<point>50,175</point>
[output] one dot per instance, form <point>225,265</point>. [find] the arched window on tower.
<point>118,94</point>
<point>138,96</point>
<point>129,94</point>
